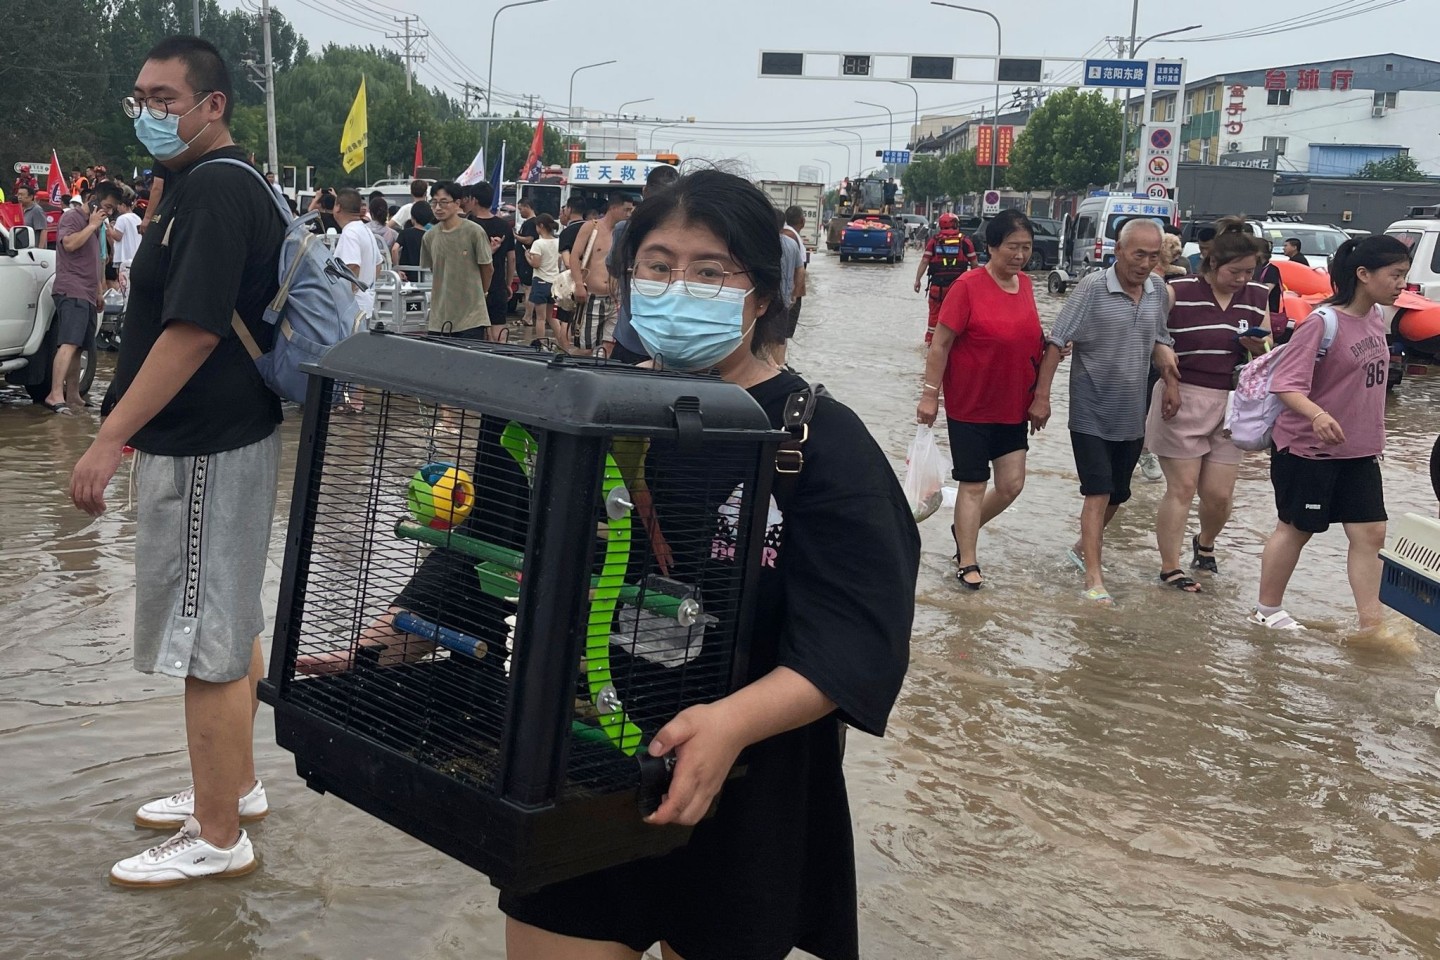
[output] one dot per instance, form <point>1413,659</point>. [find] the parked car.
<point>873,237</point>
<point>1045,253</point>
<point>27,339</point>
<point>1316,239</point>
<point>1422,236</point>
<point>1088,243</point>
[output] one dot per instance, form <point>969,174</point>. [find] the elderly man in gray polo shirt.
<point>1114,322</point>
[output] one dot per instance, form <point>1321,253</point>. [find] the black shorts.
<point>1312,494</point>
<point>539,292</point>
<point>792,318</point>
<point>623,354</point>
<point>74,321</point>
<point>974,446</point>
<point>112,272</point>
<point>1105,466</point>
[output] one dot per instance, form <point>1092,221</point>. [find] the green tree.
<point>959,176</point>
<point>921,179</point>
<point>1069,143</point>
<point>1401,167</point>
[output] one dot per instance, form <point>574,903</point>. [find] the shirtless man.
<point>594,287</point>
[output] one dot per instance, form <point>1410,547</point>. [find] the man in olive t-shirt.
<point>458,251</point>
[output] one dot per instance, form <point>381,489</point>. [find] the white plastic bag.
<point>924,474</point>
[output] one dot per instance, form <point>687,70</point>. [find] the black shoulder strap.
<point>790,455</point>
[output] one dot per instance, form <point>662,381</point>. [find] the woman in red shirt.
<point>984,359</point>
<point>1209,315</point>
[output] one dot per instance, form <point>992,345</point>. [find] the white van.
<point>1089,240</point>
<point>1422,235</point>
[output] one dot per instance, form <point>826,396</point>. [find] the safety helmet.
<point>24,168</point>
<point>948,221</point>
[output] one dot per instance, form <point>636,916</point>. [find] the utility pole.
<point>408,40</point>
<point>471,94</point>
<point>195,9</point>
<point>274,150</point>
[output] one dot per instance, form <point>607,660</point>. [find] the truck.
<point>809,197</point>
<point>877,237</point>
<point>866,197</point>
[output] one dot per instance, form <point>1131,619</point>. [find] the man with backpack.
<point>188,398</point>
<point>947,255</point>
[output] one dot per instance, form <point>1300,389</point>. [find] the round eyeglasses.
<point>157,107</point>
<point>702,279</point>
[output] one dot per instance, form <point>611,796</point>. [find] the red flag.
<point>55,180</point>
<point>419,155</point>
<point>531,168</point>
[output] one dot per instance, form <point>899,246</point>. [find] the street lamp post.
<point>490,68</point>
<point>846,148</point>
<point>999,46</point>
<point>829,172</point>
<point>890,143</point>
<point>915,132</point>
<point>631,103</point>
<point>859,148</point>
<point>1125,112</point>
<point>570,110</point>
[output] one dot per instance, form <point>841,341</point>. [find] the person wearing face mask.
<point>188,398</point>
<point>774,868</point>
<point>1216,320</point>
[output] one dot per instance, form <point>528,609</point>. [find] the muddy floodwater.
<point>1153,780</point>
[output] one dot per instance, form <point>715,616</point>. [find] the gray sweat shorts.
<point>201,539</point>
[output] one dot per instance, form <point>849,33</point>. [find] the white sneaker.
<point>182,858</point>
<point>1150,467</point>
<point>168,813</point>
<point>1279,620</point>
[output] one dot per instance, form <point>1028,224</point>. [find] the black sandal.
<point>1199,561</point>
<point>1176,578</point>
<point>972,568</point>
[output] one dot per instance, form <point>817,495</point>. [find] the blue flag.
<point>495,178</point>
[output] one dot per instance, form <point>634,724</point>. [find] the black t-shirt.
<point>499,293</point>
<point>324,224</point>
<point>211,249</point>
<point>530,231</point>
<point>568,235</point>
<point>1269,273</point>
<point>774,869</point>
<point>409,240</point>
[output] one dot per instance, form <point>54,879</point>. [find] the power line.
<point>1331,14</point>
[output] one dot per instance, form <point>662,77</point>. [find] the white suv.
<point>1422,236</point>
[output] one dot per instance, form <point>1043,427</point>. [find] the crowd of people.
<point>1154,350</point>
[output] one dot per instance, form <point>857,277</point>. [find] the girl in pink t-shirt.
<point>1326,463</point>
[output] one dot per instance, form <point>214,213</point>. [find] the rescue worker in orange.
<point>947,255</point>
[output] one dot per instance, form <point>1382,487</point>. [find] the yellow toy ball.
<point>440,495</point>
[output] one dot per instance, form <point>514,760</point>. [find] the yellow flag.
<point>355,135</point>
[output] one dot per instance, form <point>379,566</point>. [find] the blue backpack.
<point>313,310</point>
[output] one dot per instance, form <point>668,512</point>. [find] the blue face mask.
<point>683,332</point>
<point>162,137</point>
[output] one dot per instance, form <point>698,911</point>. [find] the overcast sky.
<point>701,59</point>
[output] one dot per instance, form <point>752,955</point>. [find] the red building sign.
<point>1235,110</point>
<point>1004,141</point>
<point>983,143</point>
<point>1307,78</point>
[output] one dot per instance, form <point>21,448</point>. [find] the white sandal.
<point>1275,621</point>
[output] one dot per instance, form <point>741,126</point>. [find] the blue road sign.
<point>895,156</point>
<point>1168,74</point>
<point>1115,73</point>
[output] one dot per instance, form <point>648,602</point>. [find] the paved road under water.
<point>1156,780</point>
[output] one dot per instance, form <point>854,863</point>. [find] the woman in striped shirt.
<point>1209,316</point>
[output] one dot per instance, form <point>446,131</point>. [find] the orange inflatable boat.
<point>1419,324</point>
<point>1306,281</point>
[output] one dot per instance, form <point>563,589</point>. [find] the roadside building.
<point>1326,118</point>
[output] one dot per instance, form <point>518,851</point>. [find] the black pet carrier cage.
<point>505,572</point>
